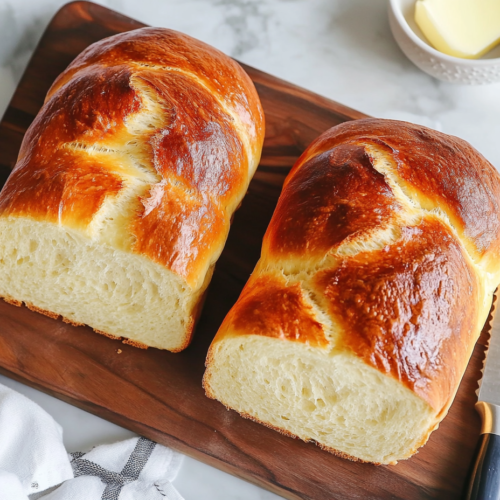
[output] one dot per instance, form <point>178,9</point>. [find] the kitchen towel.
<point>33,459</point>
<point>135,469</point>
<point>32,454</point>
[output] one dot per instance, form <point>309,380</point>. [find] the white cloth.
<point>135,469</point>
<point>31,447</point>
<point>10,487</point>
<point>33,459</point>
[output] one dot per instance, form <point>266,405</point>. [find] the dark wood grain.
<point>159,394</point>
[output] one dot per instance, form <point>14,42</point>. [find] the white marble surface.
<point>341,49</point>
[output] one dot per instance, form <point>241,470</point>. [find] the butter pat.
<point>460,28</point>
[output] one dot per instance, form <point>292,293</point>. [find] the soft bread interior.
<point>61,271</point>
<point>333,397</point>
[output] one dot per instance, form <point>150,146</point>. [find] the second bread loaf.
<point>376,277</point>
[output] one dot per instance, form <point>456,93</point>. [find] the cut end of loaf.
<point>315,395</point>
<point>60,273</point>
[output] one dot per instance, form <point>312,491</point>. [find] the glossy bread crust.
<point>317,211</point>
<point>271,308</point>
<point>147,141</point>
<point>388,229</point>
<point>435,170</point>
<point>179,53</point>
<point>409,310</point>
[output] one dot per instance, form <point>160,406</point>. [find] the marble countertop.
<point>342,49</point>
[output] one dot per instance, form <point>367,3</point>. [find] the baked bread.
<point>375,280</point>
<point>121,199</point>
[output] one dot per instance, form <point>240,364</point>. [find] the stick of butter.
<point>460,28</point>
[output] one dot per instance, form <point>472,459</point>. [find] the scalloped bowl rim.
<point>398,14</point>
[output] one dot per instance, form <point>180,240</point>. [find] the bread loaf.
<point>376,276</point>
<point>121,199</point>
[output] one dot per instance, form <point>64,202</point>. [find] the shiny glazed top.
<point>385,231</point>
<point>435,170</point>
<point>147,142</point>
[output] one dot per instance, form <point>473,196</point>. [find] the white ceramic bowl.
<point>427,58</point>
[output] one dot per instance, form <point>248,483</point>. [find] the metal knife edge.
<point>489,323</point>
<point>483,480</point>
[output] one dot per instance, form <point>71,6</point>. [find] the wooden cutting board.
<point>158,394</point>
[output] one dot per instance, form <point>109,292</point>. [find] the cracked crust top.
<point>435,170</point>
<point>385,230</point>
<point>147,142</point>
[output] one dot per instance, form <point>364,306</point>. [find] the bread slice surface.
<point>119,294</point>
<point>331,398</point>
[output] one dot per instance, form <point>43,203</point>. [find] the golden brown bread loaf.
<point>121,199</point>
<point>375,280</point>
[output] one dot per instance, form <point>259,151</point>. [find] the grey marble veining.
<point>342,49</point>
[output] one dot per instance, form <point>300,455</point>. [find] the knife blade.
<point>484,475</point>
